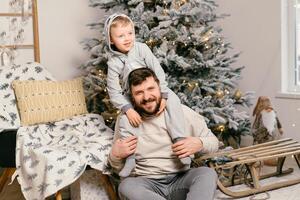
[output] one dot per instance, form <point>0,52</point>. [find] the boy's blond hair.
<point>120,20</point>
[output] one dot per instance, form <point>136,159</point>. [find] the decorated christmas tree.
<point>196,59</point>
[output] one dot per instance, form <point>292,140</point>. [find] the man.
<point>159,174</point>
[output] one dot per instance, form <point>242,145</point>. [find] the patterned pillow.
<point>49,101</point>
<point>9,117</point>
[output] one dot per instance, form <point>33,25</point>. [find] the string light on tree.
<point>226,91</point>
<point>111,114</point>
<point>192,85</point>
<point>183,1</point>
<point>108,117</point>
<point>150,42</point>
<point>179,3</point>
<point>219,93</point>
<point>165,12</point>
<point>221,128</point>
<point>101,74</point>
<point>206,36</point>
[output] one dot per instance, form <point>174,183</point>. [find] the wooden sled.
<point>247,161</point>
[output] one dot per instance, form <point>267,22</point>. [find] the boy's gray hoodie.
<point>120,65</point>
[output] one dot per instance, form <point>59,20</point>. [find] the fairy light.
<point>165,12</point>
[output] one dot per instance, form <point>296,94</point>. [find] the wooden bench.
<point>243,165</point>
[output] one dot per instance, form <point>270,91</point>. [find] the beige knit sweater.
<point>154,156</point>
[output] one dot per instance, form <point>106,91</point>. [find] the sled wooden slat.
<point>266,151</point>
<point>223,153</point>
<point>260,149</point>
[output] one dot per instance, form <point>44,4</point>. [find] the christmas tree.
<point>193,53</point>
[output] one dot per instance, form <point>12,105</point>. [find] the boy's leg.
<point>195,184</point>
<point>175,121</point>
<point>128,166</point>
<point>137,188</point>
<point>127,130</point>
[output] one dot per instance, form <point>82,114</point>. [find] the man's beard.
<point>145,113</point>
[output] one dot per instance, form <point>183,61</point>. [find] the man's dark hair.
<point>137,76</point>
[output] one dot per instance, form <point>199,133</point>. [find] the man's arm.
<point>188,146</point>
<point>210,142</point>
<point>121,148</point>
<point>201,139</point>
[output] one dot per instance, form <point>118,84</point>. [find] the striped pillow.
<point>42,101</point>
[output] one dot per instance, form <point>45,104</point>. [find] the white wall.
<point>254,28</point>
<point>62,26</point>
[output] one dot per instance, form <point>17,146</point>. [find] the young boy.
<point>127,55</point>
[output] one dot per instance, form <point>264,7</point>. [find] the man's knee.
<point>208,173</point>
<point>130,187</point>
<point>125,186</point>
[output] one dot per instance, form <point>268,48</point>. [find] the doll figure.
<point>266,126</point>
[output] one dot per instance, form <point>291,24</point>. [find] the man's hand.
<point>122,148</point>
<point>162,106</point>
<point>133,117</point>
<point>186,147</point>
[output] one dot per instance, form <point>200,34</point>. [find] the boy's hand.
<point>133,117</point>
<point>162,106</point>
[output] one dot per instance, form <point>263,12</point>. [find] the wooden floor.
<point>12,192</point>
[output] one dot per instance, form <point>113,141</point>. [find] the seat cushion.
<point>9,117</point>
<point>8,147</point>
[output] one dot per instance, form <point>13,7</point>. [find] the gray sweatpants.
<point>195,184</point>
